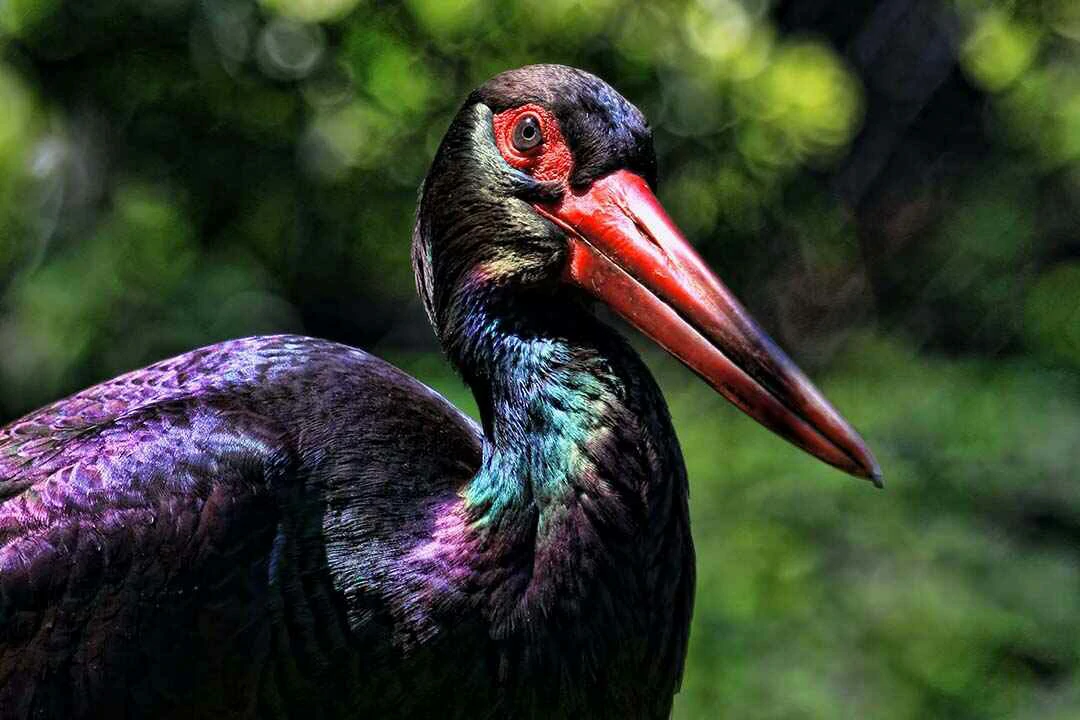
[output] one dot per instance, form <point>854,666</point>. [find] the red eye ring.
<point>547,157</point>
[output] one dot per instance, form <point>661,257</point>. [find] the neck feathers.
<point>561,398</point>
<point>572,540</point>
<point>553,413</point>
<point>578,514</point>
<point>580,460</point>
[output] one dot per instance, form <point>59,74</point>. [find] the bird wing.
<point>122,559</point>
<point>37,445</point>
<point>142,520</point>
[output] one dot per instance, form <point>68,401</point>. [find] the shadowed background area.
<point>892,187</point>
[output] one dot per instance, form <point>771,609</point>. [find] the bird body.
<point>159,528</point>
<point>286,527</point>
<point>206,507</point>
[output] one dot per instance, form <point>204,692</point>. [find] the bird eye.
<point>527,133</point>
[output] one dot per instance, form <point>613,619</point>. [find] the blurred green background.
<point>893,187</point>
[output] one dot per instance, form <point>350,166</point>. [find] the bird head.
<point>544,186</point>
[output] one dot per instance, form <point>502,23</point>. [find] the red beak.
<point>626,251</point>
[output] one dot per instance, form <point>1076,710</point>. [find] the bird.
<point>283,526</point>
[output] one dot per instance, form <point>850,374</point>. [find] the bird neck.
<point>577,517</point>
<point>550,382</point>
<point>576,431</point>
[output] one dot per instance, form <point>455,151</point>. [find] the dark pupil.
<point>527,133</point>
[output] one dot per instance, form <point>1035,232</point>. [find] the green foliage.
<point>935,598</point>
<point>175,172</point>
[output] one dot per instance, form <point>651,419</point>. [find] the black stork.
<point>287,527</point>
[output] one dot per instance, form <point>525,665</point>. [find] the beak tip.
<point>872,471</point>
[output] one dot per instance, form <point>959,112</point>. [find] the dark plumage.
<point>287,527</point>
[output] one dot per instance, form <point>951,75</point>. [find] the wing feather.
<point>143,520</point>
